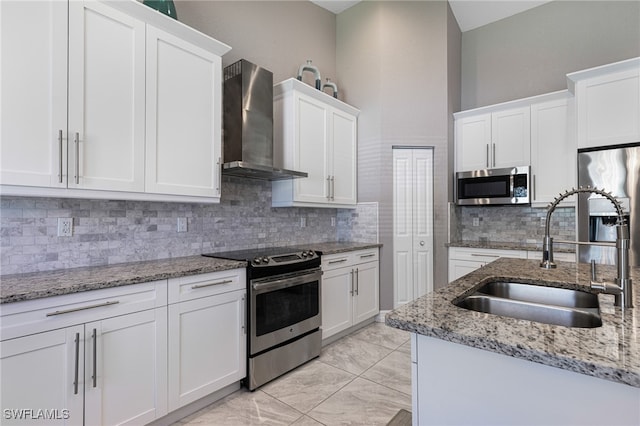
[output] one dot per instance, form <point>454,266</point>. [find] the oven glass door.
<point>283,308</point>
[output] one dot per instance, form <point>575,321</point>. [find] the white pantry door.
<point>412,223</point>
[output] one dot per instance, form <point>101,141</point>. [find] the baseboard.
<point>381,315</point>
<point>187,410</point>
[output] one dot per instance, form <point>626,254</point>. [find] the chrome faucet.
<point>622,287</point>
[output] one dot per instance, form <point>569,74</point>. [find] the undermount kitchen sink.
<point>549,305</point>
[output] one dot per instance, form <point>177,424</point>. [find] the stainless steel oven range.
<point>283,312</point>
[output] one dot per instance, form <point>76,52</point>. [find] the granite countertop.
<point>511,245</point>
<point>610,352</point>
<point>20,287</point>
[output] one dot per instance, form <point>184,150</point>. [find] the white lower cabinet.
<point>125,369</point>
<point>463,260</point>
<point>207,337</point>
<point>93,362</point>
<point>41,371</point>
<point>350,290</point>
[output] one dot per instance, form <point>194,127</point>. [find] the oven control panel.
<point>284,259</point>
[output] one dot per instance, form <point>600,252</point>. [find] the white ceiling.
<point>470,14</point>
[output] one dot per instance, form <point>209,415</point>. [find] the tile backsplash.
<point>109,232</point>
<point>519,224</point>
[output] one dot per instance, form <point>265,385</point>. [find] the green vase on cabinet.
<point>165,6</point>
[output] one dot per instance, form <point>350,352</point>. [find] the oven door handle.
<point>287,282</point>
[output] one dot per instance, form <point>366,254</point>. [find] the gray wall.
<point>530,53</point>
<point>278,35</point>
<point>393,58</point>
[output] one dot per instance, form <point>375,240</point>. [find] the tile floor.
<point>361,379</point>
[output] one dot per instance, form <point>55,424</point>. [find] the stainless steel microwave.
<point>494,186</point>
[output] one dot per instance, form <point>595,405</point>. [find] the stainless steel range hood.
<point>248,124</point>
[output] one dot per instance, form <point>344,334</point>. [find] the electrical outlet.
<point>476,221</point>
<point>182,224</point>
<point>333,221</point>
<point>65,226</point>
<point>303,222</point>
<point>543,221</point>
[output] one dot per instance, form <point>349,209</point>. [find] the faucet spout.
<point>622,288</point>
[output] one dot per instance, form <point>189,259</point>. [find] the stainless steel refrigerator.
<point>616,170</point>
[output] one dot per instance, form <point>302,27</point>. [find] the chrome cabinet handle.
<point>352,282</point>
<point>68,311</point>
<point>331,262</point>
<point>94,377</point>
<point>244,314</point>
<point>357,281</point>
<point>77,142</point>
<point>484,255</point>
<point>193,287</point>
<point>219,175</point>
<point>333,188</point>
<point>77,364</point>
<point>60,158</point>
<point>328,188</point>
<point>494,155</point>
<point>364,256</point>
<point>487,156</point>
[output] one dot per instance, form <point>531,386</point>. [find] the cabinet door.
<point>553,150</point>
<point>343,157</point>
<point>106,98</point>
<point>337,301</point>
<point>312,141</point>
<point>184,95</point>
<point>459,268</point>
<point>43,371</point>
<point>473,140</point>
<point>510,137</point>
<point>366,301</point>
<point>33,93</point>
<point>207,346</point>
<point>608,109</point>
<point>126,369</point>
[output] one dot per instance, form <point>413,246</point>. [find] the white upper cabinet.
<point>139,119</point>
<point>473,138</point>
<point>510,137</point>
<point>492,137</point>
<point>33,93</point>
<point>106,98</point>
<point>607,104</point>
<point>184,117</point>
<point>317,134</point>
<point>553,147</point>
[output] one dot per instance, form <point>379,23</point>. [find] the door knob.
<point>422,243</point>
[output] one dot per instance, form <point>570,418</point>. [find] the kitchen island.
<point>477,368</point>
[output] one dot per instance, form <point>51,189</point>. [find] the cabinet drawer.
<point>35,316</point>
<point>196,286</point>
<point>484,255</point>
<point>335,261</point>
<point>338,260</point>
<point>361,256</point>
